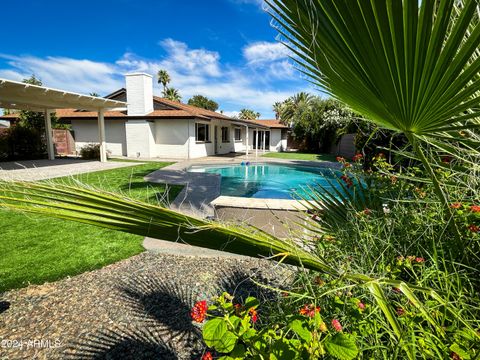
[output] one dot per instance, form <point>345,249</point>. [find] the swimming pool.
<point>269,181</point>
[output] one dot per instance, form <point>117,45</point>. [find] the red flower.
<point>253,314</point>
<point>400,311</point>
<point>475,208</point>
<point>419,260</point>
<point>446,159</point>
<point>309,310</point>
<point>347,164</point>
<point>455,356</point>
<point>357,157</point>
<point>361,306</point>
<point>367,211</point>
<point>456,205</point>
<point>336,325</point>
<point>340,159</point>
<point>347,180</point>
<point>207,356</point>
<point>474,228</point>
<point>199,311</point>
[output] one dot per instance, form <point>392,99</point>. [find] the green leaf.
<point>251,302</point>
<point>342,346</point>
<point>226,343</point>
<point>297,327</point>
<point>456,348</point>
<point>213,331</point>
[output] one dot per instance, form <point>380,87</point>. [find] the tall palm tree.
<point>277,108</point>
<point>171,93</point>
<point>163,78</point>
<point>297,108</point>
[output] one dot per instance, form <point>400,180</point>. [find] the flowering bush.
<point>232,332</point>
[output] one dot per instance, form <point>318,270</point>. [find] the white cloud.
<point>263,51</point>
<point>193,71</point>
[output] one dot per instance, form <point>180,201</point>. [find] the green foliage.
<point>163,78</point>
<point>317,123</point>
<point>203,102</point>
<point>248,114</point>
<point>232,331</point>
<point>172,94</point>
<point>90,152</point>
<point>21,142</point>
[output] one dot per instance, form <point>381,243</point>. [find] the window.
<point>225,134</point>
<point>202,132</point>
<point>238,134</point>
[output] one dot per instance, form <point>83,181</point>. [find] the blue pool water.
<point>267,180</point>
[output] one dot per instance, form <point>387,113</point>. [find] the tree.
<point>33,119</point>
<point>277,108</point>
<point>203,102</point>
<point>94,94</point>
<point>316,123</point>
<point>247,114</point>
<point>171,93</point>
<point>163,78</point>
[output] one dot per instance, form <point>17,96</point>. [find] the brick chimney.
<point>139,94</point>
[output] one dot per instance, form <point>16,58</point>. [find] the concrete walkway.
<point>33,170</point>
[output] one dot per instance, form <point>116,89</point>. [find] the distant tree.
<point>248,114</point>
<point>203,102</point>
<point>163,78</point>
<point>32,119</point>
<point>171,93</point>
<point>277,108</point>
<point>94,94</point>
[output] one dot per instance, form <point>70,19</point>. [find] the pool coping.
<point>201,193</point>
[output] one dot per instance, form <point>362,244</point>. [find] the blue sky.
<point>224,49</point>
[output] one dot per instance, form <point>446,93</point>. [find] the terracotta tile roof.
<point>271,123</point>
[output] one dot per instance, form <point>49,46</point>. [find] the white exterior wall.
<point>201,149</point>
<point>171,138</point>
<point>140,139</point>
<point>276,142</point>
<point>86,132</point>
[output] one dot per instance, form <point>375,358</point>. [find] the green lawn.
<point>36,249</point>
<point>301,156</point>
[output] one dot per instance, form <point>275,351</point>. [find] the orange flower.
<point>253,314</point>
<point>199,311</point>
<point>357,157</point>
<point>309,310</point>
<point>475,208</point>
<point>456,205</point>
<point>207,356</point>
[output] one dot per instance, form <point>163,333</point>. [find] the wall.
<point>140,138</point>
<point>171,138</point>
<point>86,132</point>
<point>276,140</point>
<point>345,147</point>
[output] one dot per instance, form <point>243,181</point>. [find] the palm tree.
<point>163,78</point>
<point>277,108</point>
<point>248,114</point>
<point>418,75</point>
<point>171,93</point>
<point>297,108</point>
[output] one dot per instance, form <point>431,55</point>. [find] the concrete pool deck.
<point>201,194</point>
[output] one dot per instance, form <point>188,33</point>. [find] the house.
<point>153,127</point>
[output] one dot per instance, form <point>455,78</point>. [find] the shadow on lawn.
<point>159,311</point>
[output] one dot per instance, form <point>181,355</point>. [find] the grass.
<point>37,249</point>
<point>301,156</point>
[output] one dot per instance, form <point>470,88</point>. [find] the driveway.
<point>33,170</point>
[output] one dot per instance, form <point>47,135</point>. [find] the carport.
<point>21,96</point>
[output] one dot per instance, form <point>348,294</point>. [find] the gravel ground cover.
<point>138,308</point>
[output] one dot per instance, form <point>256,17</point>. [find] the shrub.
<point>22,143</point>
<point>90,152</point>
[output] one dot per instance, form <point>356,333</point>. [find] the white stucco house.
<point>154,127</point>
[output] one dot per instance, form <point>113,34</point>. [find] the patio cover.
<point>21,96</point>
